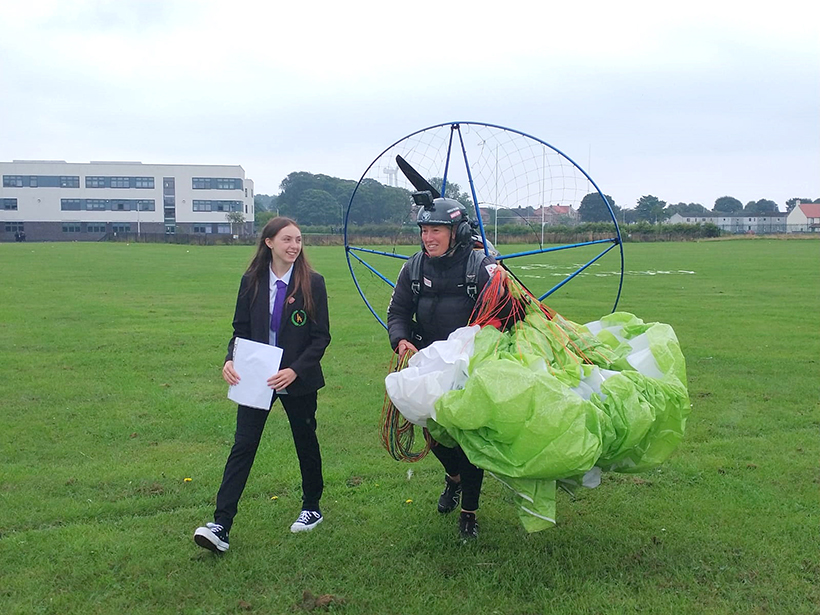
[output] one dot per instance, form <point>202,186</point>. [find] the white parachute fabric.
<point>430,373</point>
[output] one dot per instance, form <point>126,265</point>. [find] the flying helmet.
<point>448,212</point>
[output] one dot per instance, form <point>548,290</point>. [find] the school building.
<point>54,200</point>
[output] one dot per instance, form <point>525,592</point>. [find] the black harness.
<point>472,265</point>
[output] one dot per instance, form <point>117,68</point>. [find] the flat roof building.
<point>54,200</point>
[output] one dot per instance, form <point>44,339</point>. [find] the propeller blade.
<point>415,178</point>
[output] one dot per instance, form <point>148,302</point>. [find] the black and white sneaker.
<point>450,497</point>
<point>468,526</point>
<point>213,537</point>
<point>308,519</point>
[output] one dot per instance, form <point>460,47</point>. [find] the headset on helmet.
<point>448,212</point>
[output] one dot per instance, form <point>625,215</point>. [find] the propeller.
<point>415,178</point>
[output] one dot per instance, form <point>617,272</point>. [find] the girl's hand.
<point>229,373</point>
<point>282,379</point>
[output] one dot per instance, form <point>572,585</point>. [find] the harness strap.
<point>472,266</point>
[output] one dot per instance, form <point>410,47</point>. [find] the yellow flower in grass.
<point>274,497</point>
<point>408,501</point>
<point>187,480</point>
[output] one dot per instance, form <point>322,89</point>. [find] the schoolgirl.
<point>282,301</point>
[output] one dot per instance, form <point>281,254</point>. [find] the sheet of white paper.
<point>255,363</point>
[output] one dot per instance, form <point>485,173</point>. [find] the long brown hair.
<point>261,262</point>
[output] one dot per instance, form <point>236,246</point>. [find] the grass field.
<point>111,398</point>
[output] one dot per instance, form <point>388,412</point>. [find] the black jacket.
<point>443,303</point>
<point>303,345</point>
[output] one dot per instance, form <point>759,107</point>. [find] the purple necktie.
<point>278,305</point>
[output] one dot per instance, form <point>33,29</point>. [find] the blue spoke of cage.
<point>359,288</point>
<point>447,160</point>
<point>613,240</point>
<point>379,252</point>
<point>366,264</point>
<point>472,191</point>
<point>581,269</point>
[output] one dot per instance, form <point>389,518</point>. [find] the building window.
<point>41,181</point>
<point>200,228</point>
<point>224,229</point>
<point>146,205</point>
<point>216,183</point>
<point>10,204</point>
<point>95,228</point>
<point>102,181</point>
<point>199,205</point>
<point>71,227</point>
<point>96,204</point>
<point>14,227</point>
<point>227,184</point>
<point>120,228</point>
<point>119,206</point>
<point>70,204</point>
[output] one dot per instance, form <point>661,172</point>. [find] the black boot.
<point>450,497</point>
<point>468,526</point>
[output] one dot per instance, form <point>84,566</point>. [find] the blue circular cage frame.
<point>354,252</point>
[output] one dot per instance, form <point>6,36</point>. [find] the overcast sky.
<point>686,101</point>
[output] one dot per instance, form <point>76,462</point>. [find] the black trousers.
<point>455,463</point>
<point>250,422</point>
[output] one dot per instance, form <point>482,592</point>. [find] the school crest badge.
<point>298,317</point>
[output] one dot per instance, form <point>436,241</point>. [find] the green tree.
<point>763,206</point>
<point>374,202</point>
<point>296,183</point>
<point>627,216</point>
<point>728,205</point>
<point>453,191</point>
<point>235,218</point>
<point>687,209</point>
<point>651,209</point>
<point>317,207</point>
<point>594,209</point>
<point>264,202</point>
<point>261,219</point>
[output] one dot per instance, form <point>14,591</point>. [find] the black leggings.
<point>455,463</point>
<point>250,422</point>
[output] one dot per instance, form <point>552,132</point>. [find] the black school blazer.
<point>303,340</point>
